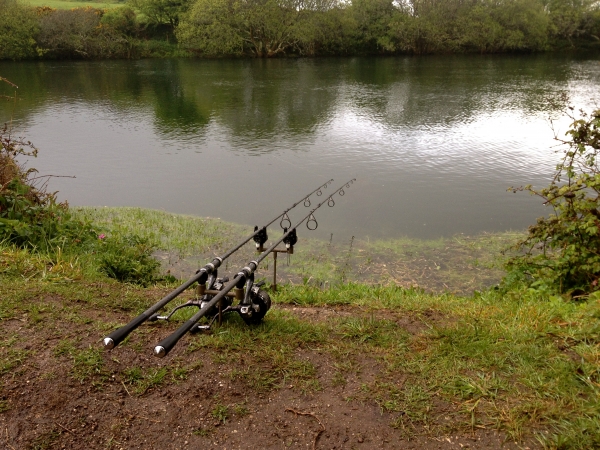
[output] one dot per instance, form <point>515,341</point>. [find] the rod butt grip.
<point>119,335</point>
<point>163,348</point>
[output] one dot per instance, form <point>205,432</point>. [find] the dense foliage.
<point>18,28</point>
<point>272,27</point>
<point>269,28</point>
<point>562,251</point>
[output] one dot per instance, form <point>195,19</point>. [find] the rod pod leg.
<point>274,286</point>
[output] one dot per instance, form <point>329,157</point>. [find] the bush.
<point>18,27</point>
<point>128,259</point>
<point>80,33</point>
<point>121,19</point>
<point>562,251</point>
<point>31,217</point>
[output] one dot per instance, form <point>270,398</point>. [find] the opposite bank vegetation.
<point>269,28</point>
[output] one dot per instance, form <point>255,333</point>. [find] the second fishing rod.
<point>252,302</point>
<point>202,275</point>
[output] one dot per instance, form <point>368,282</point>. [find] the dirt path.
<point>62,392</point>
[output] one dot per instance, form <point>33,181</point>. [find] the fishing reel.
<point>225,303</point>
<point>256,303</point>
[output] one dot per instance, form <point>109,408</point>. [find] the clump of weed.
<point>143,381</point>
<point>240,409</point>
<point>128,258</point>
<point>10,359</point>
<point>220,412</point>
<point>4,406</point>
<point>45,440</point>
<point>87,363</point>
<point>203,432</point>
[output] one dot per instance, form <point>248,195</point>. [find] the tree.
<point>261,28</point>
<point>162,11</point>
<point>213,28</point>
<point>525,25</point>
<point>573,20</point>
<point>479,31</point>
<point>372,18</point>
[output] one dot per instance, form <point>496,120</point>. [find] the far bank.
<point>53,29</point>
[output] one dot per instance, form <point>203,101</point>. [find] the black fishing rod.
<point>252,303</point>
<point>201,275</point>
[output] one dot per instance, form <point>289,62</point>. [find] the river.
<point>434,142</point>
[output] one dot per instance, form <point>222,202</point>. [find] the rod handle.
<point>117,336</point>
<point>163,348</point>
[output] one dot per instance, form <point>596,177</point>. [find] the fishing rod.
<point>254,303</point>
<point>202,275</point>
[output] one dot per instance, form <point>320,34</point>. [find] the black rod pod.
<point>163,348</point>
<point>201,275</point>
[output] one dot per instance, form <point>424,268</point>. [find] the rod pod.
<point>201,276</point>
<point>163,348</point>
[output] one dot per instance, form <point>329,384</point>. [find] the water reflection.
<point>434,141</point>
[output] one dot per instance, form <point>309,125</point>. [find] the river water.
<point>434,142</point>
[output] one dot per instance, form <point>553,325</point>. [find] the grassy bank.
<point>458,264</point>
<point>336,362</point>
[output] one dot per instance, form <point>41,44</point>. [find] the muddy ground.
<point>48,404</point>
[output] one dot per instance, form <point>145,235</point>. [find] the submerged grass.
<point>460,264</point>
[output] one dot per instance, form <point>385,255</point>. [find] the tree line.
<point>271,28</point>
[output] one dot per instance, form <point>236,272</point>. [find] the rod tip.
<point>160,351</point>
<point>109,344</point>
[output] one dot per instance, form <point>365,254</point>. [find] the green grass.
<point>501,360</point>
<point>86,363</point>
<point>459,264</point>
<point>66,4</point>
<point>139,381</point>
<point>180,234</point>
<point>220,413</point>
<point>519,362</point>
<point>45,440</point>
